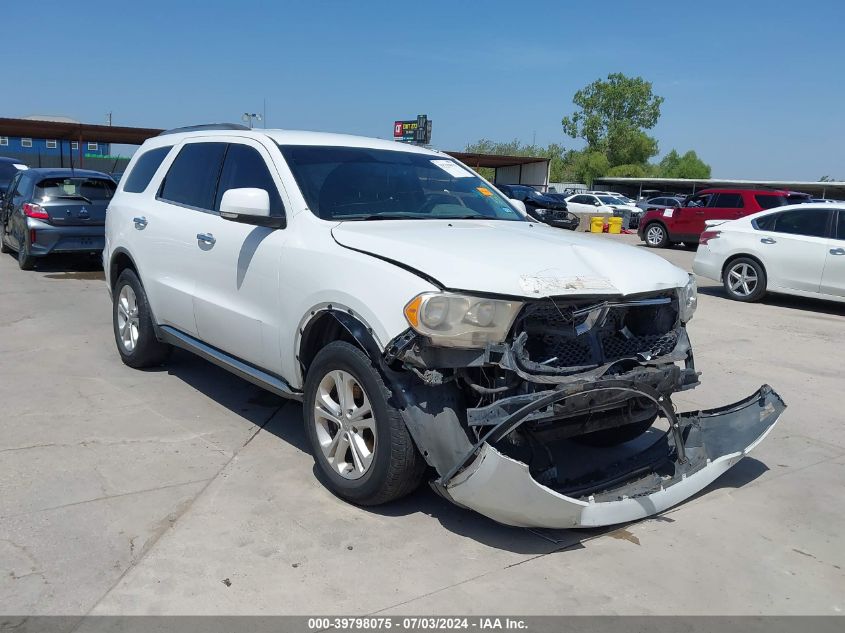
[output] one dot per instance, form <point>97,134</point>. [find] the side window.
<point>144,169</point>
<point>840,231</point>
<point>244,167</point>
<point>766,222</point>
<point>769,201</point>
<point>727,201</point>
<point>192,178</point>
<point>698,201</point>
<point>580,200</point>
<point>809,222</point>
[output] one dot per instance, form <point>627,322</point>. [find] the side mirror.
<point>519,204</point>
<point>249,205</point>
<point>597,203</point>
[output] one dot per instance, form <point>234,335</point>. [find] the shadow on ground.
<point>819,306</point>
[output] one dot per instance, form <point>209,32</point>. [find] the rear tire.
<point>25,259</point>
<point>133,326</point>
<point>358,439</point>
<point>616,436</point>
<point>744,279</point>
<point>656,235</point>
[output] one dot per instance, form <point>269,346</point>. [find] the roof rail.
<point>207,126</point>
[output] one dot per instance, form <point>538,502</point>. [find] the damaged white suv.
<point>429,327</point>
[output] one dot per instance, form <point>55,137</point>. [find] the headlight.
<point>453,320</point>
<point>688,299</point>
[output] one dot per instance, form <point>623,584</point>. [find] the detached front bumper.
<point>635,487</point>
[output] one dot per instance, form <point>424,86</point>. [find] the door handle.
<point>140,223</point>
<point>837,251</point>
<point>699,212</point>
<point>206,238</point>
<point>768,240</point>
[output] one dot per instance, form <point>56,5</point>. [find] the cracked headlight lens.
<point>454,320</point>
<point>688,299</point>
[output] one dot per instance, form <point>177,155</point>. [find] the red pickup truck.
<point>660,228</point>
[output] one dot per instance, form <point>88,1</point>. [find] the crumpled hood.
<point>512,258</point>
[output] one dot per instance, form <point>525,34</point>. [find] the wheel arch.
<point>120,261</point>
<point>736,256</point>
<point>333,323</point>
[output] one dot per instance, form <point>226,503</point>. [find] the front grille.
<point>626,331</point>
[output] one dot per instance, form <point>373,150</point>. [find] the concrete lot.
<point>186,490</point>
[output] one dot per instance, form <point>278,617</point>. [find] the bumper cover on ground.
<point>503,489</point>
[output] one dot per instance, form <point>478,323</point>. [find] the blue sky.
<point>754,87</point>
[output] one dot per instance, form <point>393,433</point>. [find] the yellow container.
<point>614,225</point>
<point>596,224</point>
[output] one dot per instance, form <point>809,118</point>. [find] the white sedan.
<point>797,250</point>
<point>585,205</point>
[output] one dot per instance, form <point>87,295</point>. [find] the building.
<point>46,151</point>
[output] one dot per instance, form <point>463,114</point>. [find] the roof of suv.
<point>293,137</point>
<point>774,192</point>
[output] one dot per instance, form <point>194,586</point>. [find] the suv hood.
<point>512,258</point>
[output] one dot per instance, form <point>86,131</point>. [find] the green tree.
<point>585,166</point>
<point>612,115</point>
<point>673,165</point>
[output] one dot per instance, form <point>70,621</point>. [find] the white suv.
<point>426,323</point>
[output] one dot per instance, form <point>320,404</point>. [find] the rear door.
<point>74,201</point>
<point>169,228</point>
<point>794,246</point>
<point>833,277</point>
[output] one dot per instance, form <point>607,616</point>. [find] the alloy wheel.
<point>654,235</point>
<point>742,279</point>
<point>127,318</point>
<point>345,426</point>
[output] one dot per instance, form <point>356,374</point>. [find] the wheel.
<point>656,236</point>
<point>3,247</point>
<point>358,439</point>
<point>744,279</point>
<point>616,436</point>
<point>25,259</point>
<point>133,325</point>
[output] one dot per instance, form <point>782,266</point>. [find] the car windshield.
<point>359,183</point>
<point>83,188</point>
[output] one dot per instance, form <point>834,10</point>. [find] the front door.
<point>833,277</point>
<point>237,298</point>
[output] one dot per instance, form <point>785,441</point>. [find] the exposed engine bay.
<point>575,406</point>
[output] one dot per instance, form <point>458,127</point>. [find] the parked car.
<point>661,228</point>
<point>425,324</point>
<point>797,250</point>
<point>8,168</point>
<point>623,198</point>
<point>549,208</point>
<point>589,204</point>
<point>50,211</point>
<point>660,203</point>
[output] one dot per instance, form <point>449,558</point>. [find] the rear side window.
<point>144,169</point>
<point>192,178</point>
<point>770,201</point>
<point>244,167</point>
<point>727,201</point>
<point>808,222</point>
<point>840,231</point>
<point>92,189</point>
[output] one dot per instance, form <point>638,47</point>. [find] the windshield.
<point>359,183</point>
<point>84,188</point>
<point>610,200</point>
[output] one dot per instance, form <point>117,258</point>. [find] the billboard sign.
<point>415,131</point>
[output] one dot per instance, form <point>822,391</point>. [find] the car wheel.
<point>133,325</point>
<point>744,279</point>
<point>358,439</point>
<point>3,247</point>
<point>616,436</point>
<point>656,236</point>
<point>25,259</point>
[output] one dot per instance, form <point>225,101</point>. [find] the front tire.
<point>358,439</point>
<point>744,280</point>
<point>656,235</point>
<point>133,326</point>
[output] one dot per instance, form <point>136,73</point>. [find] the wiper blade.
<point>74,196</point>
<point>379,216</point>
